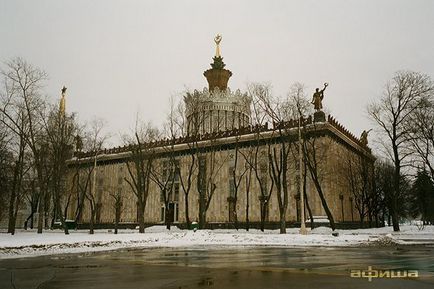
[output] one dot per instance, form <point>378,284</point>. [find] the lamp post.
<point>303,230</point>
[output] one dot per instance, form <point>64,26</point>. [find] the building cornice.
<point>246,136</point>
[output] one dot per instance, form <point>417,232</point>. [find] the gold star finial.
<point>62,107</point>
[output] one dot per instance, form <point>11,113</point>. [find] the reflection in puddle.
<point>206,282</point>
<point>187,268</point>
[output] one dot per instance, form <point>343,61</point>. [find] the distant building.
<point>223,141</point>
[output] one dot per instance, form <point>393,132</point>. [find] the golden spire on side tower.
<point>62,104</point>
<point>217,41</point>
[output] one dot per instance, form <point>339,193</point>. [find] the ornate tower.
<point>216,108</point>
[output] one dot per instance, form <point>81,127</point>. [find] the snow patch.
<point>322,231</point>
<point>28,243</point>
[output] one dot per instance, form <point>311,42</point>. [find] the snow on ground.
<point>28,243</point>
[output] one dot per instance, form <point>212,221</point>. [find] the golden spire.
<point>62,107</point>
<point>217,76</point>
<point>217,41</point>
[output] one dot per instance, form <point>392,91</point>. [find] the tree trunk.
<point>80,206</point>
<point>202,219</point>
<point>40,211</point>
<point>11,223</point>
<point>92,221</point>
<point>282,221</point>
<point>395,217</point>
<point>263,216</point>
<point>325,205</point>
<point>32,220</point>
<point>306,200</point>
<point>63,222</point>
<point>202,211</point>
<point>235,218</point>
<point>60,215</point>
<point>46,211</point>
<point>141,218</point>
<point>12,200</point>
<point>312,224</point>
<point>285,192</point>
<point>15,214</point>
<point>247,210</point>
<point>16,187</point>
<point>396,187</point>
<point>187,217</point>
<point>29,218</point>
<point>168,216</point>
<point>370,219</point>
<point>117,218</point>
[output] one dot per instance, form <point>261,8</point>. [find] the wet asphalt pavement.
<point>221,267</point>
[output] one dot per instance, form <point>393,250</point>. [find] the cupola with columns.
<point>216,108</point>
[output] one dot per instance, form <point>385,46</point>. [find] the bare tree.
<point>298,108</point>
<point>22,110</point>
<point>94,143</point>
<point>277,111</point>
<point>209,167</point>
<point>166,172</point>
<point>140,166</point>
<point>32,199</point>
<point>248,155</point>
<point>359,176</point>
<point>60,135</point>
<point>237,172</point>
<point>402,97</point>
<point>202,166</point>
<point>190,127</point>
<point>315,149</point>
<point>315,152</point>
<point>256,157</point>
<point>20,167</point>
<point>6,161</point>
<point>420,127</point>
<point>82,183</point>
<point>305,173</point>
<point>259,166</point>
<point>117,196</point>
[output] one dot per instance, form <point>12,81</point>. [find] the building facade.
<point>229,165</point>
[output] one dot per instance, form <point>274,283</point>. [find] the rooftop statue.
<point>364,137</point>
<point>318,97</point>
<point>78,143</point>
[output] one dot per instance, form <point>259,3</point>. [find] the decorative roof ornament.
<point>62,105</point>
<point>217,41</point>
<point>217,76</point>
<point>364,137</point>
<point>218,59</point>
<point>318,96</point>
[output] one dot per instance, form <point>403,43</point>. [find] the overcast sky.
<point>120,58</point>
